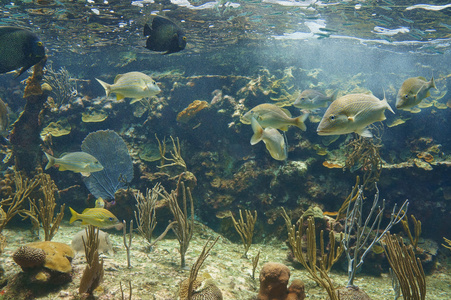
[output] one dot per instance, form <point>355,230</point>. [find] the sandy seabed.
<point>157,274</point>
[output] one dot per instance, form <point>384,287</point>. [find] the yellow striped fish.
<point>99,217</point>
<point>135,85</point>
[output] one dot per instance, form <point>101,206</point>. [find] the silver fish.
<point>311,99</point>
<point>274,141</point>
<point>75,161</point>
<point>412,91</point>
<point>135,85</point>
<point>353,113</point>
<point>270,115</point>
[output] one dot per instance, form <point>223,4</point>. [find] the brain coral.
<point>204,288</point>
<point>28,257</point>
<point>58,256</point>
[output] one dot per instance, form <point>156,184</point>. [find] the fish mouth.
<point>324,132</point>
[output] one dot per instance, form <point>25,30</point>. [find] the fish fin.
<point>286,111</point>
<point>23,70</point>
<point>432,83</point>
<point>119,97</point>
<point>118,76</point>
<point>299,121</point>
<point>284,128</point>
<point>258,132</point>
<point>74,215</point>
<point>333,96</point>
<point>147,30</point>
<point>51,160</point>
<point>106,86</point>
<point>85,210</point>
<point>422,78</point>
<point>62,168</point>
<point>385,103</point>
<point>84,223</point>
<point>135,100</point>
<point>161,21</point>
<point>364,132</point>
<point>351,118</point>
<point>85,174</point>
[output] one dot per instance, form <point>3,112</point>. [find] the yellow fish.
<point>135,85</point>
<point>274,141</point>
<point>270,115</point>
<point>353,113</point>
<point>99,217</point>
<point>100,203</point>
<point>412,91</point>
<point>75,161</point>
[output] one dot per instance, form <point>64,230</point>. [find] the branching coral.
<point>363,153</point>
<point>145,218</point>
<point>245,228</point>
<point>64,87</point>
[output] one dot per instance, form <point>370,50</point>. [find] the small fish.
<point>19,48</point>
<point>99,217</point>
<point>135,85</point>
<point>164,35</point>
<point>4,122</point>
<point>100,203</point>
<point>412,91</point>
<point>274,141</point>
<point>353,113</point>
<point>311,99</point>
<point>270,115</point>
<point>76,161</point>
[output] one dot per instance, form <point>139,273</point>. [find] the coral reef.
<point>45,262</point>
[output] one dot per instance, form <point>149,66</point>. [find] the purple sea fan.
<point>111,151</point>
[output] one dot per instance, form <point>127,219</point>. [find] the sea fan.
<point>111,151</point>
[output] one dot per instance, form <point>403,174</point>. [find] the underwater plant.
<point>318,269</point>
<point>145,215</point>
<point>357,234</point>
<point>43,211</point>
<point>245,228</point>
<point>64,87</point>
<point>183,226</point>
<point>93,273</point>
<point>407,268</point>
<point>116,161</point>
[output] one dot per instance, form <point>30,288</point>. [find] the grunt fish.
<point>135,85</point>
<point>311,99</point>
<point>99,217</point>
<point>353,113</point>
<point>76,161</point>
<point>270,115</point>
<point>274,141</point>
<point>412,91</point>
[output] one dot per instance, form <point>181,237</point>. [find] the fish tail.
<point>333,96</point>
<point>74,215</point>
<point>385,103</point>
<point>51,160</point>
<point>258,132</point>
<point>106,86</point>
<point>432,83</point>
<point>299,121</point>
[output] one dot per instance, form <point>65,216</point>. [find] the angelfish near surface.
<point>19,49</point>
<point>164,36</point>
<point>353,113</point>
<point>135,85</point>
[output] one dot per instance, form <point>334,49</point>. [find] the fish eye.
<point>332,117</point>
<point>39,44</point>
<point>110,218</point>
<point>406,96</point>
<point>184,38</point>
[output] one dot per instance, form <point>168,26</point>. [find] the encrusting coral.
<point>193,109</point>
<point>274,281</point>
<point>46,262</point>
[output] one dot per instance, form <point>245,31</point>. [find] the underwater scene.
<point>243,149</point>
